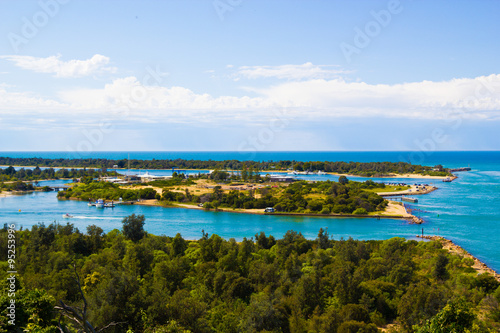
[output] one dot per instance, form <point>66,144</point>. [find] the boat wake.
<point>97,218</point>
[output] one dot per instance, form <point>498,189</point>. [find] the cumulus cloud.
<point>317,100</point>
<point>12,102</point>
<point>290,72</point>
<point>156,102</point>
<point>98,64</point>
<point>477,97</point>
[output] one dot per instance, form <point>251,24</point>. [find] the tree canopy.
<point>154,283</point>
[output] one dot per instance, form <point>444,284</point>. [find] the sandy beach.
<point>411,191</point>
<point>394,210</point>
<point>5,194</point>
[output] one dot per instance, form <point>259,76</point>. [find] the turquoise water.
<point>465,211</point>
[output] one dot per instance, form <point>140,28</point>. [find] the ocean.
<point>465,210</point>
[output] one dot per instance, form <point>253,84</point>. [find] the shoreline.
<point>5,194</point>
<point>394,212</point>
<point>479,266</point>
<point>407,192</point>
<point>393,175</point>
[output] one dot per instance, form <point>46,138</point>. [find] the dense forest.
<point>353,168</point>
<point>132,281</point>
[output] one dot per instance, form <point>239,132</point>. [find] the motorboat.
<point>99,203</point>
<point>67,216</point>
<point>109,205</point>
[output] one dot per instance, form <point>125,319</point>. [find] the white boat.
<point>109,205</point>
<point>321,172</point>
<point>67,216</point>
<point>99,203</point>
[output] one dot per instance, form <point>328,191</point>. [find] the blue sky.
<point>249,75</point>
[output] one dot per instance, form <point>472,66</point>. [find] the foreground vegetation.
<point>324,197</point>
<point>138,282</point>
<point>353,168</point>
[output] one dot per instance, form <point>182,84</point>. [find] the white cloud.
<point>128,100</point>
<point>290,72</point>
<point>98,64</point>
<point>13,102</point>
<point>477,97</point>
<point>177,102</point>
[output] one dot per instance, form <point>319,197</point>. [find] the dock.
<point>412,200</point>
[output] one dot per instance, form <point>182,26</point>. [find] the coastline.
<point>411,191</point>
<point>479,266</point>
<point>394,211</point>
<point>392,175</point>
<point>4,194</point>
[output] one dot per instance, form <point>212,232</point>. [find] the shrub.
<point>325,211</point>
<point>360,211</point>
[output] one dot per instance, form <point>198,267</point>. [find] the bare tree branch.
<point>78,315</point>
<point>111,324</point>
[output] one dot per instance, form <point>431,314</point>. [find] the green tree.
<point>360,211</point>
<point>455,317</point>
<point>440,271</point>
<point>95,237</point>
<point>179,245</point>
<point>343,180</point>
<point>133,227</point>
<point>33,312</point>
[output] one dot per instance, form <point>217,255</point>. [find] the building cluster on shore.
<point>134,179</point>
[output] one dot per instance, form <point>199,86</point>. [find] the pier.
<point>460,169</point>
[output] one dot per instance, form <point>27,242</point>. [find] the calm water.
<point>465,210</point>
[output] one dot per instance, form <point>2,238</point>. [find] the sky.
<point>249,75</point>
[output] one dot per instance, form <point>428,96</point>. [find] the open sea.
<point>467,210</point>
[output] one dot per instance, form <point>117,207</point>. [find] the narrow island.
<point>369,169</point>
<point>253,194</point>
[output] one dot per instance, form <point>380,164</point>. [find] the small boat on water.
<point>99,203</point>
<point>67,216</point>
<point>109,205</point>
